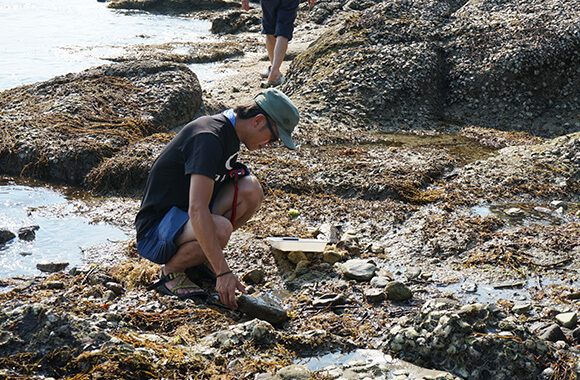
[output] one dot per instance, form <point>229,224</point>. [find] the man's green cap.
<point>281,109</point>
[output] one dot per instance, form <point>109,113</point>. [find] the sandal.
<point>160,286</point>
<point>200,273</point>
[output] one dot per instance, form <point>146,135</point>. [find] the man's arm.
<point>204,228</point>
<point>246,5</point>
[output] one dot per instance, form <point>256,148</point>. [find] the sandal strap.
<point>166,278</point>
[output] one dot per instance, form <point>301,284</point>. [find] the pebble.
<point>254,276</point>
<point>375,295</point>
<point>514,211</point>
<point>358,269</point>
<point>397,291</point>
<point>567,320</point>
<point>331,257</point>
<point>51,267</point>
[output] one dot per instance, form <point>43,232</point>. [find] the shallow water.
<point>520,214</point>
<point>57,239</point>
<point>40,39</point>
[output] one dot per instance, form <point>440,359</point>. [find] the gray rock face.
<point>454,337</point>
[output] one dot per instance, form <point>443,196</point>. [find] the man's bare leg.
<point>189,253</point>
<point>277,47</point>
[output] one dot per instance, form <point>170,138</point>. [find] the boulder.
<point>59,130</point>
<point>422,64</point>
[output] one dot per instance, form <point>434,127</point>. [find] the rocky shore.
<point>439,157</point>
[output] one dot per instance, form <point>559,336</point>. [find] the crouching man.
<point>197,193</point>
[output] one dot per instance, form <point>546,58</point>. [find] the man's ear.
<point>258,120</point>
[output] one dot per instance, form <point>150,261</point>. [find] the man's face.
<point>265,133</point>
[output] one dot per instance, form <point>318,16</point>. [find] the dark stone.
<point>262,308</point>
<point>552,333</point>
<point>28,233</point>
<point>6,235</point>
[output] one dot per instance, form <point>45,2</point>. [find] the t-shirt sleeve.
<point>202,155</point>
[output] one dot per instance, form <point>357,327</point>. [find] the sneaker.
<point>266,73</point>
<point>277,82</point>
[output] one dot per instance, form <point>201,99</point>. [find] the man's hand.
<point>246,4</point>
<point>226,287</point>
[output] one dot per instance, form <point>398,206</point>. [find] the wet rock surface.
<point>471,211</point>
<point>61,129</point>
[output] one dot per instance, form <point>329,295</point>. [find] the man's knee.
<point>223,228</point>
<point>252,192</point>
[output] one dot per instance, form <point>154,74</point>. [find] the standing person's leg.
<point>269,11</point>
<point>285,17</point>
<point>278,54</point>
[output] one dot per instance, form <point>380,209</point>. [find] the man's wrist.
<point>224,273</point>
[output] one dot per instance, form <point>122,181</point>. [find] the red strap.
<point>235,174</point>
<point>235,203</point>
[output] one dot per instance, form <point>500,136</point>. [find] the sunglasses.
<point>274,137</point>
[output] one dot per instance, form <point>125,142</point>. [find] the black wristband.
<point>224,273</point>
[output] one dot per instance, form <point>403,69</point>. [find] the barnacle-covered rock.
<point>472,341</point>
<point>508,65</point>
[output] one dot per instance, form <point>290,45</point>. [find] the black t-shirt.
<point>208,146</point>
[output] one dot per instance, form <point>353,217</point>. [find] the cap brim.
<point>286,138</point>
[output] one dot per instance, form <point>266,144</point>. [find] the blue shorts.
<point>278,17</point>
<point>158,245</point>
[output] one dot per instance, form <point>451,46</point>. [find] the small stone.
<point>522,308</point>
<point>55,285</point>
<point>380,281</point>
<point>329,299</point>
<point>296,256</point>
<point>397,291</point>
<point>558,204</point>
<point>552,333</point>
<point>331,257</point>
<point>514,211</point>
<point>567,320</point>
<point>375,295</point>
<point>254,276</point>
<point>51,267</point>
<point>357,269</point>
<point>543,210</point>
<point>6,235</point>
<point>262,308</point>
<point>28,233</point>
<point>413,273</point>
<point>294,372</point>
<point>470,287</point>
<point>115,287</point>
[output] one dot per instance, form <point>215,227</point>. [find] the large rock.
<point>423,64</point>
<point>60,129</point>
<point>173,6</point>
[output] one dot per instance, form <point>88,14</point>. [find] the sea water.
<point>41,39</point>
<point>58,239</point>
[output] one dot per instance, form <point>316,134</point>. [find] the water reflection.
<point>57,239</point>
<point>519,214</point>
<point>41,39</point>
